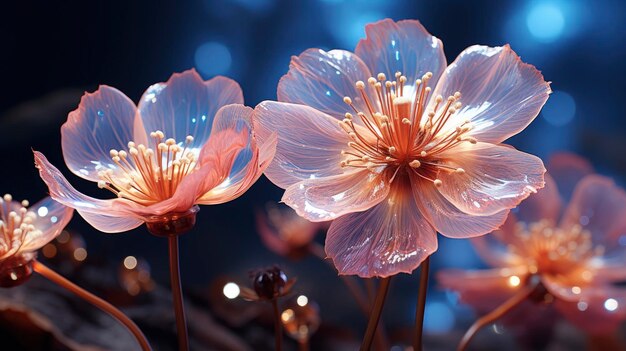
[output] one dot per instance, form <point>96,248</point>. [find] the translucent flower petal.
<point>543,205</point>
<point>500,94</point>
<point>403,46</point>
<point>327,198</point>
<point>251,160</point>
<point>598,205</point>
<point>322,79</point>
<point>186,105</point>
<point>446,218</point>
<point>309,142</point>
<point>568,169</point>
<point>104,120</point>
<point>496,177</point>
<point>390,238</point>
<point>51,218</point>
<point>595,314</point>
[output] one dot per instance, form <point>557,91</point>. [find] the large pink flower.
<point>576,253</point>
<point>188,142</point>
<point>364,140</point>
<point>24,229</point>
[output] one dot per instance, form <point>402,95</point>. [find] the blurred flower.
<point>301,318</point>
<point>365,142</point>
<point>189,142</point>
<point>284,232</point>
<point>575,257</point>
<point>268,284</point>
<point>23,231</point>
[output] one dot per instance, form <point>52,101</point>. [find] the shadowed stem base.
<point>177,294</point>
<point>278,327</point>
<point>377,309</point>
<point>421,305</point>
<point>496,314</point>
<point>94,300</point>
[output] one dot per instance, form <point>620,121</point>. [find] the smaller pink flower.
<point>575,253</point>
<point>188,142</point>
<point>284,232</point>
<point>393,144</point>
<point>24,230</point>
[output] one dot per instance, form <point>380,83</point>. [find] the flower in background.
<point>188,142</point>
<point>393,146</point>
<point>284,232</point>
<point>23,231</point>
<point>576,253</point>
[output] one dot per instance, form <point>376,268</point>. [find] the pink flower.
<point>285,233</point>
<point>24,229</point>
<point>393,146</point>
<point>575,252</point>
<point>188,142</point>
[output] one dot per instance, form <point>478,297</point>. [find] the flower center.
<point>147,176</point>
<point>15,224</point>
<point>399,128</point>
<point>555,250</point>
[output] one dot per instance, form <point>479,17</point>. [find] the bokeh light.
<point>231,290</point>
<point>545,22</point>
<point>212,58</point>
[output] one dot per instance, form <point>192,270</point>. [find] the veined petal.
<point>327,198</point>
<point>110,224</point>
<point>500,94</point>
<point>51,218</point>
<point>543,205</point>
<point>186,105</point>
<point>322,79</point>
<point>446,218</point>
<point>104,120</point>
<point>309,142</point>
<point>599,206</point>
<point>390,238</point>
<point>496,177</point>
<point>250,162</point>
<point>403,46</point>
<point>63,192</point>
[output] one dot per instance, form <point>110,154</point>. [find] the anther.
<point>25,203</point>
<point>460,171</point>
<point>415,164</point>
<point>381,77</point>
<point>347,100</point>
<point>371,80</point>
<point>437,182</point>
<point>360,85</point>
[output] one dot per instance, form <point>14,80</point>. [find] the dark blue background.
<point>53,51</point>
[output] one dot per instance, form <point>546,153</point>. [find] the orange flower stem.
<point>496,314</point>
<point>421,305</point>
<point>377,309</point>
<point>278,328</point>
<point>94,300</point>
<point>177,294</point>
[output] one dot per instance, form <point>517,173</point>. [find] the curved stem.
<point>177,294</point>
<point>94,300</point>
<point>494,315</point>
<point>421,305</point>
<point>278,328</point>
<point>377,309</point>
